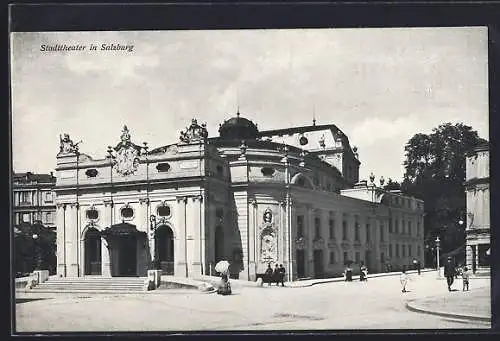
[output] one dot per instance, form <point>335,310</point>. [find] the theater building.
<point>289,196</point>
<point>478,208</point>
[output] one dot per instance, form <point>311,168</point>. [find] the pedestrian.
<point>415,264</point>
<point>268,275</point>
<point>403,279</point>
<point>418,266</point>
<point>363,273</point>
<point>224,286</point>
<point>348,274</point>
<point>276,275</point>
<point>449,272</point>
<point>465,278</point>
<point>282,275</point>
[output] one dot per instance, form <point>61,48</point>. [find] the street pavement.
<point>375,304</point>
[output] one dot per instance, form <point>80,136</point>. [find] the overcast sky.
<point>379,86</point>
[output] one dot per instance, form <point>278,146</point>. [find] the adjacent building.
<point>478,208</point>
<point>34,199</point>
<point>289,196</point>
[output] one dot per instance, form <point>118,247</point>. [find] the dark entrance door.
<point>92,252</point>
<point>301,264</point>
<point>318,264</point>
<point>127,264</point>
<point>164,243</point>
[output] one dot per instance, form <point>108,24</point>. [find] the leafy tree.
<point>435,173</point>
<point>29,252</point>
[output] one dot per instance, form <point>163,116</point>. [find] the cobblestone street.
<point>376,304</point>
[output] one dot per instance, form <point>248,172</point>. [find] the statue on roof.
<point>66,145</point>
<point>194,133</point>
<point>127,154</point>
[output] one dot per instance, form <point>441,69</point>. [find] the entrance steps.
<point>88,284</point>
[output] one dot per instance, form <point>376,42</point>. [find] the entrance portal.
<point>164,248</point>
<point>127,263</point>
<point>301,264</point>
<point>318,264</point>
<point>92,249</point>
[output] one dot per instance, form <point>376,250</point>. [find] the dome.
<point>238,128</point>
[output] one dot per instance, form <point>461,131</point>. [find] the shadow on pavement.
<point>25,300</point>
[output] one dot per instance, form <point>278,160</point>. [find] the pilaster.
<point>73,241</point>
<point>61,239</point>
<point>180,256</point>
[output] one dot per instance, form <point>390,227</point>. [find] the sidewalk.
<point>471,305</point>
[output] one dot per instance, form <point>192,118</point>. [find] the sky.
<point>380,86</point>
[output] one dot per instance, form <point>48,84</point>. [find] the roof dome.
<point>238,128</point>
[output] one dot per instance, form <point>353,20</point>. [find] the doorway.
<point>92,250</point>
<point>318,264</point>
<point>164,247</point>
<point>301,264</point>
<point>127,263</point>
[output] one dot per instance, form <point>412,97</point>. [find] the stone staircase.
<point>91,285</point>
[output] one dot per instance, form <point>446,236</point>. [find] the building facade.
<point>478,208</point>
<point>34,199</point>
<point>290,196</point>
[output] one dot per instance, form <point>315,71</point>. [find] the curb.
<point>342,279</point>
<point>412,307</point>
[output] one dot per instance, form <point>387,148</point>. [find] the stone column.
<point>72,241</point>
<point>181,266</point>
<point>193,236</point>
<point>61,239</point>
<point>477,256</point>
<point>106,247</point>
<point>203,237</point>
<point>309,242</point>
<point>252,239</point>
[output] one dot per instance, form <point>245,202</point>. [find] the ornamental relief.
<point>332,243</point>
<point>268,238</point>
<point>300,243</point>
<point>319,243</point>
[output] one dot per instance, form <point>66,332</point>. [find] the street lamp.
<point>152,220</point>
<point>36,252</point>
<point>437,255</point>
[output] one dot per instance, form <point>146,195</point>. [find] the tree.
<point>435,172</point>
<point>28,251</point>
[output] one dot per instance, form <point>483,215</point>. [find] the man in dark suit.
<point>449,272</point>
<point>282,275</point>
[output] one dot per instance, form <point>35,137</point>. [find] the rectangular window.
<point>418,227</point>
<point>409,251</point>
<point>418,251</point>
<point>358,258</point>
<point>344,230</point>
<point>368,234</point>
<point>403,226</point>
<point>390,225</point>
<point>26,217</point>
<point>382,257</point>
<point>332,257</point>
<point>382,237</point>
<point>397,250</point>
<point>48,196</point>
<point>331,227</point>
<point>346,256</point>
<point>48,218</point>
<point>356,229</point>
<point>317,228</point>
<point>300,226</point>
<point>390,250</point>
<point>403,249</point>
<point>396,226</point>
<point>409,228</point>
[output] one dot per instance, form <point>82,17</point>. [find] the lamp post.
<point>152,220</point>
<point>36,251</point>
<point>437,255</point>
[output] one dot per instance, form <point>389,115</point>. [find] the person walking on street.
<point>403,279</point>
<point>282,273</point>
<point>269,274</point>
<point>449,272</point>
<point>276,275</point>
<point>418,266</point>
<point>465,278</point>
